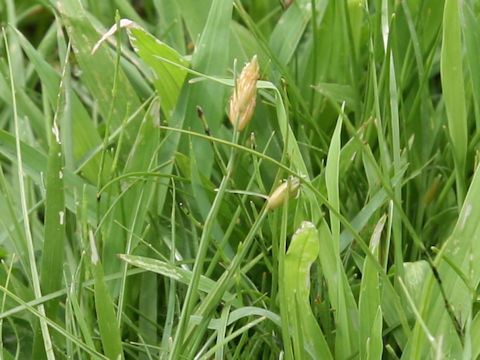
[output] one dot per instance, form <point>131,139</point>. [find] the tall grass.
<point>136,222</point>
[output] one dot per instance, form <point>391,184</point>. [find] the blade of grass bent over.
<point>167,78</point>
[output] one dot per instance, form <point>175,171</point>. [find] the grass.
<point>137,223</point>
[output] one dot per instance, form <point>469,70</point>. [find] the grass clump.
<point>157,201</point>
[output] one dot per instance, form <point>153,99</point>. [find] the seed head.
<point>244,97</point>
<point>288,188</point>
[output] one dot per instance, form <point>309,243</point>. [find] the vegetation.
<point>158,202</point>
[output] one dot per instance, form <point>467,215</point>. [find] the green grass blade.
<point>107,322</point>
<point>142,156</point>
<point>471,33</point>
<point>174,272</point>
<point>224,283</point>
<point>34,276</point>
<point>171,23</point>
<point>219,354</point>
<point>290,142</point>
<point>332,181</point>
<point>339,294</point>
<point>98,69</point>
<point>302,252</point>
<point>191,297</point>
<point>52,324</point>
<point>195,15</point>
<point>209,58</point>
<point>231,336</point>
<point>369,303</point>
<point>462,250</point>
<point>451,69</point>
<point>167,78</point>
<point>148,307</point>
<point>26,108</point>
<point>80,317</point>
<point>86,136</point>
<point>35,164</point>
<point>293,22</point>
<point>365,103</point>
<point>55,217</point>
<point>475,336</point>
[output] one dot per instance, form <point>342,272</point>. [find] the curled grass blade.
<point>307,337</point>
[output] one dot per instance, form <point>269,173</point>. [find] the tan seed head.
<point>244,97</point>
<point>288,188</point>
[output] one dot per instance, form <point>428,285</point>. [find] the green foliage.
<point>307,337</point>
<point>133,217</point>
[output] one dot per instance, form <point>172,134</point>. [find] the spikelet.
<point>244,97</point>
<point>288,188</point>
